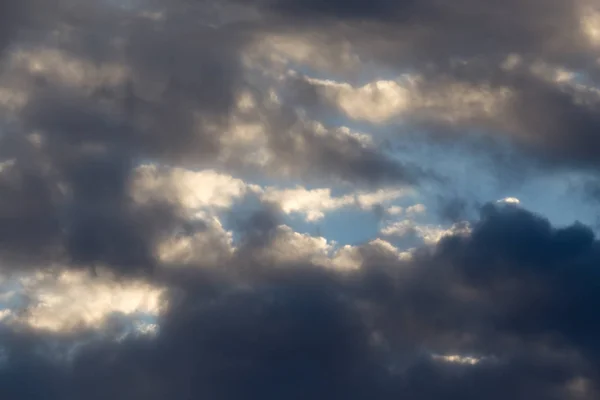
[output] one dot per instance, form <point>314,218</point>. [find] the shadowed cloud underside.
<point>299,199</point>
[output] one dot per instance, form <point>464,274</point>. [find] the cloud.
<point>192,190</point>
<point>76,300</point>
<point>432,30</point>
<point>288,249</point>
<point>151,153</point>
<point>204,243</point>
<point>512,102</point>
<point>412,96</point>
<point>416,209</point>
<point>464,67</point>
<point>314,203</point>
<point>87,99</point>
<point>209,190</point>
<point>510,200</point>
<point>85,116</point>
<point>268,135</point>
<point>590,24</point>
<point>427,233</point>
<point>12,14</point>
<point>475,311</point>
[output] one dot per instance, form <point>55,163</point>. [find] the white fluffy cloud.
<point>313,204</point>
<point>416,209</point>
<point>366,200</point>
<point>194,190</point>
<point>509,200</point>
<point>590,23</point>
<point>430,234</point>
<point>289,247</point>
<point>69,300</point>
<point>210,246</point>
<point>458,359</point>
<point>376,102</point>
<point>210,190</point>
<point>385,100</point>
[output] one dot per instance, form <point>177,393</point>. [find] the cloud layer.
<point>292,199</point>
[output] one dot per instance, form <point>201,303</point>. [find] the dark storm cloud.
<point>30,226</point>
<point>319,152</point>
<point>184,75</point>
<point>66,198</point>
<point>468,41</point>
<point>180,72</point>
<point>103,224</point>
<point>91,143</point>
<point>330,157</point>
<point>258,229</point>
<point>517,292</point>
<point>453,209</point>
<point>434,31</point>
<point>181,78</point>
<point>562,123</point>
<point>541,123</point>
<point>514,276</point>
<point>288,336</point>
<point>10,12</point>
<point>549,123</point>
<point>78,212</point>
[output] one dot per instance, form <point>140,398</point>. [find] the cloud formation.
<point>299,199</point>
<point>477,311</point>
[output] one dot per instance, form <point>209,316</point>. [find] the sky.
<point>292,199</point>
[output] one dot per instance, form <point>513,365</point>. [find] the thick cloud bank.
<point>299,199</point>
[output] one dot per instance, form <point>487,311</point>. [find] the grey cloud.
<point>9,12</point>
<point>433,31</point>
<point>68,188</point>
<point>517,294</point>
<point>468,42</point>
<point>170,101</point>
<point>346,158</point>
<point>558,121</point>
<point>453,209</point>
<point>30,223</point>
<point>545,124</point>
<point>304,148</point>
